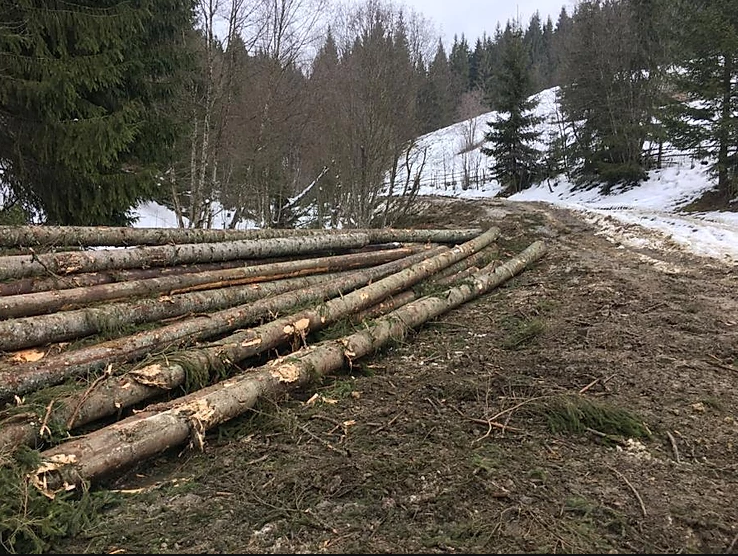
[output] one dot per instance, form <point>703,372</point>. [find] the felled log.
<point>50,301</point>
<point>70,262</point>
<point>159,377</point>
<point>40,330</point>
<point>20,379</point>
<point>110,236</point>
<point>36,284</point>
<point>156,429</point>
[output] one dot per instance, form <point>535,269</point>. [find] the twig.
<point>635,492</point>
<point>732,544</point>
<point>83,398</point>
<point>721,365</point>
<point>322,441</point>
<point>489,422</point>
<point>595,381</point>
<point>389,424</point>
<point>45,423</point>
<point>609,437</point>
<point>674,446</point>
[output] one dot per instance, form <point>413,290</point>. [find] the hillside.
<point>658,204</point>
<point>585,407</point>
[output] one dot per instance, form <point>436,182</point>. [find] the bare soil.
<point>454,441</point>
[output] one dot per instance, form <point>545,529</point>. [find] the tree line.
<point>275,112</point>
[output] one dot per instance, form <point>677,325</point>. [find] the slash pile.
<point>192,327</point>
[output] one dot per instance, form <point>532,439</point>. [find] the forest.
<point>277,111</point>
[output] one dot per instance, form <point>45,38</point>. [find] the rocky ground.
<point>587,406</point>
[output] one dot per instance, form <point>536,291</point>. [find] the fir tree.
<point>706,122</point>
<point>84,88</point>
<point>511,136</point>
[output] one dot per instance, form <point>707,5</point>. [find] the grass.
<point>522,332</point>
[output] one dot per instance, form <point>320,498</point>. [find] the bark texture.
<point>18,380</point>
<point>109,236</point>
<point>51,301</point>
<point>156,429</point>
<point>70,262</point>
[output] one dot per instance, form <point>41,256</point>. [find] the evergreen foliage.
<point>83,99</point>
<point>704,116</point>
<point>611,89</point>
<point>512,135</point>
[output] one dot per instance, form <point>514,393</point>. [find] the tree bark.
<point>51,301</point>
<point>18,380</point>
<point>41,284</point>
<point>159,377</point>
<point>67,325</point>
<point>37,284</point>
<point>116,393</point>
<point>111,236</point>
<point>158,428</point>
<point>20,266</point>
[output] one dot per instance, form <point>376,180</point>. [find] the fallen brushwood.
<point>110,236</point>
<point>50,301</point>
<point>115,393</point>
<point>70,262</point>
<point>158,428</point>
<point>160,377</point>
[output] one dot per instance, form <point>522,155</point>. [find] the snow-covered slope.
<point>444,158</point>
<point>656,204</point>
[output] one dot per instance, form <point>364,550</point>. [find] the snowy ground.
<point>655,205</point>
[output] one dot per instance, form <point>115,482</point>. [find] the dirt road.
<point>587,406</point>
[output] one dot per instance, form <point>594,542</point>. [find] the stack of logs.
<point>96,322</point>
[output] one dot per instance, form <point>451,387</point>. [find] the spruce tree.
<point>84,86</point>
<point>705,122</point>
<point>511,135</point>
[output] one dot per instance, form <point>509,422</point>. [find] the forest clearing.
<point>583,405</point>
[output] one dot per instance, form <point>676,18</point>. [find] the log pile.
<point>190,328</point>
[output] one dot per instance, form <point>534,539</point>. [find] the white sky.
<point>475,17</point>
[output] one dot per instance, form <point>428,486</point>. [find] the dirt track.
<point>589,405</point>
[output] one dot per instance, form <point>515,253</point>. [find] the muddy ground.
<point>587,406</point>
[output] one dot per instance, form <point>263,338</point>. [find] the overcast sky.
<point>475,17</point>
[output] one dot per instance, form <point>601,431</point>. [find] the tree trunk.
<point>67,325</point>
<point>41,284</point>
<point>38,284</point>
<point>18,380</point>
<point>19,266</point>
<point>111,236</point>
<point>117,393</point>
<point>237,347</point>
<point>48,302</point>
<point>156,429</point>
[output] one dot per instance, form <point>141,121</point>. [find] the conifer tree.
<point>437,98</point>
<point>84,87</point>
<point>511,136</point>
<point>707,121</point>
